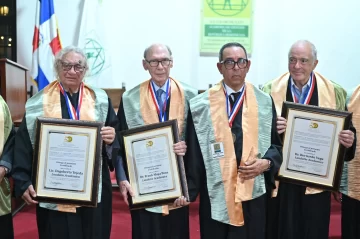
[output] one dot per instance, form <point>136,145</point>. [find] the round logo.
<point>314,125</point>
<point>227,7</point>
<point>68,139</point>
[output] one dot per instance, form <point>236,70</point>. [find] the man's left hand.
<point>180,148</point>
<point>108,134</point>
<point>346,138</point>
<point>253,168</point>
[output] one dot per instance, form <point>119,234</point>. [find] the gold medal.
<point>234,137</point>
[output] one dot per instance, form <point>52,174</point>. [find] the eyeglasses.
<point>230,64</point>
<point>154,63</point>
<point>303,61</point>
<point>67,67</point>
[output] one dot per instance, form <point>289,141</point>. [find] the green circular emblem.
<point>95,55</point>
<point>227,7</point>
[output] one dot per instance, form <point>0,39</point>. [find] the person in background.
<point>7,140</point>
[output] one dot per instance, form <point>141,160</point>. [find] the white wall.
<point>333,26</point>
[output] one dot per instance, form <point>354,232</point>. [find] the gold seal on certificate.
<point>155,172</point>
<point>312,154</point>
<point>67,161</point>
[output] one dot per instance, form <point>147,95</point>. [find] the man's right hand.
<point>281,124</point>
<point>125,188</point>
<point>28,195</point>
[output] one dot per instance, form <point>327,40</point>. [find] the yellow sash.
<point>235,190</point>
<point>327,98</point>
<point>52,109</point>
<point>150,116</point>
<point>354,165</point>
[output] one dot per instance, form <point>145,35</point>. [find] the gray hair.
<point>63,52</point>
<point>305,42</point>
<point>151,46</point>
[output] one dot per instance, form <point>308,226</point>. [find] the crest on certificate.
<point>149,144</point>
<point>68,139</point>
<point>314,125</point>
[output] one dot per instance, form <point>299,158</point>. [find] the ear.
<point>219,66</point>
<point>248,66</point>
<point>315,64</point>
<point>171,63</point>
<point>145,65</point>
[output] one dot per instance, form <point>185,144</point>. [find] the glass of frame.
<point>312,154</point>
<point>156,174</point>
<point>66,165</point>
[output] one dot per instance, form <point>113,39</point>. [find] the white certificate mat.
<point>311,146</point>
<point>154,172</point>
<point>69,154</point>
<point>152,165</point>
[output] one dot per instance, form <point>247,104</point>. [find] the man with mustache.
<point>233,153</point>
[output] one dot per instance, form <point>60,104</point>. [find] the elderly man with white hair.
<point>295,211</point>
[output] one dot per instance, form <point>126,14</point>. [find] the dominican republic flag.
<point>46,44</point>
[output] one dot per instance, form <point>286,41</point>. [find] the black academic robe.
<point>6,223</point>
<point>86,223</point>
<point>293,214</point>
<point>149,225</point>
<point>254,210</point>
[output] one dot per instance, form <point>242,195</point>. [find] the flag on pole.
<point>92,39</point>
<point>46,44</point>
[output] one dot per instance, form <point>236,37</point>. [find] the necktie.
<point>233,97</point>
<point>159,93</point>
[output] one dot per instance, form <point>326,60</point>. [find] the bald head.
<point>155,47</point>
<point>305,44</point>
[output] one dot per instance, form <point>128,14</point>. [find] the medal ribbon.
<point>161,112</point>
<point>232,112</point>
<point>73,113</point>
<point>306,100</point>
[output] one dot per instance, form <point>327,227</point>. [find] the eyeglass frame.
<point>303,61</point>
<point>235,63</point>
<point>157,62</point>
<point>63,64</point>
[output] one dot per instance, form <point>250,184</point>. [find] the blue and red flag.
<point>46,44</point>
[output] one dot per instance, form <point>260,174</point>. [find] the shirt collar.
<point>230,90</point>
<point>156,87</point>
<point>304,87</point>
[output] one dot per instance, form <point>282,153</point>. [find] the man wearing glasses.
<point>158,99</point>
<point>233,151</point>
<point>298,211</point>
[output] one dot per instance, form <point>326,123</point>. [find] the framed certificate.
<point>156,174</point>
<point>312,154</point>
<point>66,165</point>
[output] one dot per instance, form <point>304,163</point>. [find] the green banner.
<point>224,21</point>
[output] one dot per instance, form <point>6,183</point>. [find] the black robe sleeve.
<point>23,157</point>
<point>350,152</point>
<point>193,160</point>
<point>7,155</point>
<point>118,161</point>
<point>274,153</point>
